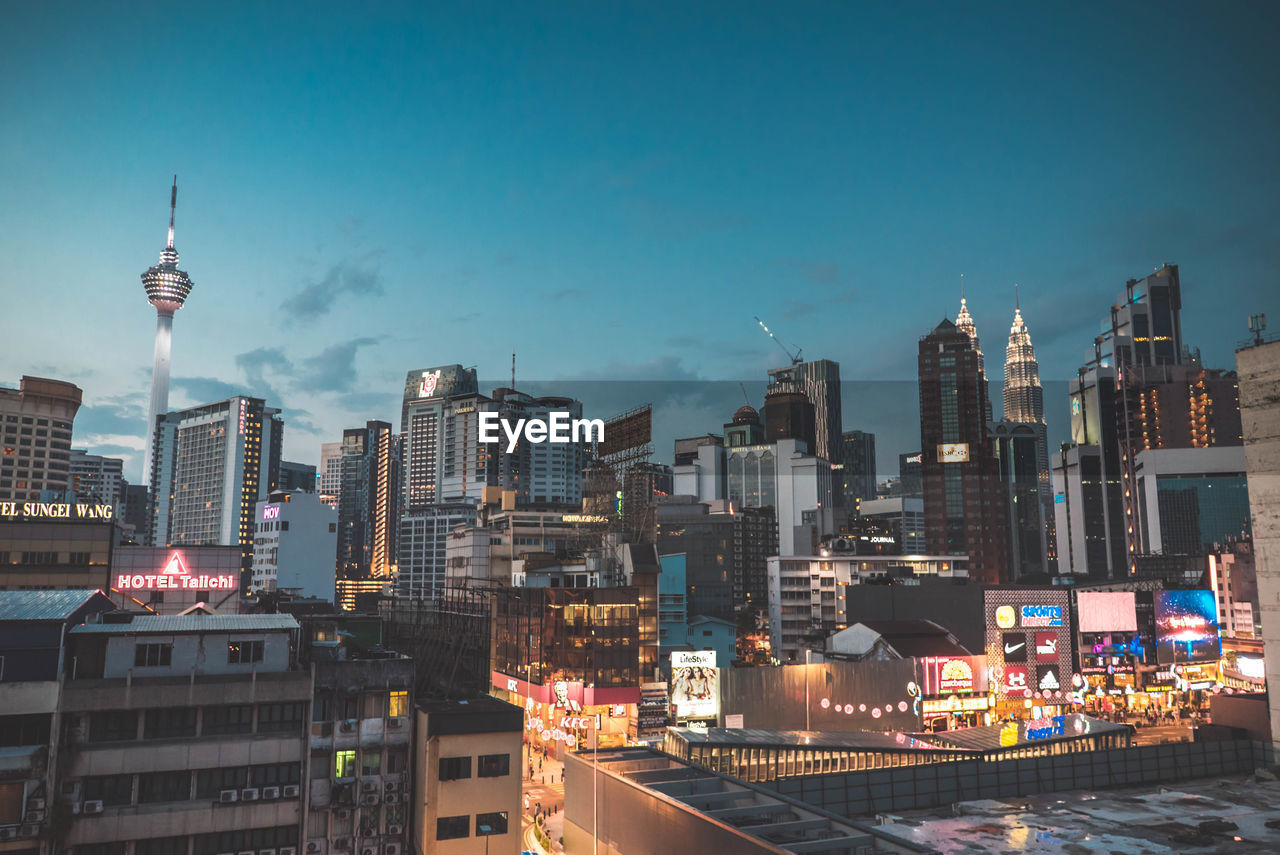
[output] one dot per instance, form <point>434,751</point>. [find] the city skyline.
<point>353,214</point>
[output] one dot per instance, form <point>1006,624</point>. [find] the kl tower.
<point>167,288</point>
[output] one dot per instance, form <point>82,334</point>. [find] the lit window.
<point>345,764</point>
<point>398,704</point>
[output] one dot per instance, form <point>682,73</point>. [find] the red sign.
<point>1046,647</point>
<point>948,675</point>
<point>1016,682</point>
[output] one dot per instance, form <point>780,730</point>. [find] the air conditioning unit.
<point>391,786</point>
<point>348,726</point>
<point>394,830</point>
<point>391,849</point>
<point>34,816</point>
<point>271,793</point>
<point>8,833</point>
<point>288,850</point>
<point>91,807</point>
<point>226,797</point>
<point>369,850</point>
<point>266,852</point>
<point>247,852</point>
<point>368,786</point>
<point>291,791</point>
<point>396,723</point>
<point>249,795</point>
<point>370,800</point>
<point>341,813</point>
<point>392,798</point>
<point>35,804</point>
<point>316,847</point>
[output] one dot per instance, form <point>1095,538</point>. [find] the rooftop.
<point>43,605</point>
<point>172,624</point>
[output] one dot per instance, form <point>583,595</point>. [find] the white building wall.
<point>296,549</point>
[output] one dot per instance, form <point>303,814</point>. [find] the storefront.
<point>561,716</point>
<point>954,692</point>
<point>1029,651</point>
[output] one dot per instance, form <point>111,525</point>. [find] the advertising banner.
<point>1107,611</point>
<point>953,675</point>
<point>1186,627</point>
<point>695,690</point>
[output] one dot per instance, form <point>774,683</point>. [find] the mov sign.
<point>175,576</point>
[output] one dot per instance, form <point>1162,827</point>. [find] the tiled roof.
<point>191,623</point>
<point>42,605</point>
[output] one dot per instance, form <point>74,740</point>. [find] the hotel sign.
<point>55,511</point>
<point>176,576</point>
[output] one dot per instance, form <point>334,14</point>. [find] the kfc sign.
<point>175,576</point>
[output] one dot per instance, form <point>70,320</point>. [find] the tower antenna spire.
<point>173,204</point>
<point>961,277</point>
<point>1017,304</point>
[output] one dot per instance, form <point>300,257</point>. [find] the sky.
<point>615,192</point>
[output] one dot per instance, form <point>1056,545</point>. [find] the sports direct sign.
<point>175,576</point>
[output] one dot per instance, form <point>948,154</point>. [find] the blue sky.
<point>614,191</point>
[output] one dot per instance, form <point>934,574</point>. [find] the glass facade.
<point>1197,511</point>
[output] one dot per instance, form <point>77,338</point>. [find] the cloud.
<point>256,364</point>
<point>359,278</point>
<point>817,272</point>
<point>332,369</point>
<point>666,367</point>
<point>202,390</point>
<point>110,443</point>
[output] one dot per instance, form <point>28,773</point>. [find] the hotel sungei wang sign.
<point>175,576</point>
<point>55,511</point>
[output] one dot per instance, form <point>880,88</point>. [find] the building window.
<point>161,846</point>
<point>455,768</point>
<point>452,827</point>
<point>281,718</point>
<point>493,765</point>
<point>170,722</point>
<point>397,762</point>
<point>398,704</point>
<point>371,763</point>
<point>219,721</point>
<point>109,789</point>
<point>243,652</point>
<point>152,655</point>
<point>496,822</point>
<point>113,726</point>
<point>344,764</point>
<point>211,782</point>
<point>164,787</point>
<point>275,775</point>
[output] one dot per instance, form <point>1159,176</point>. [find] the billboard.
<point>1107,611</point>
<point>1029,639</point>
<point>1186,627</point>
<point>695,689</point>
<point>174,575</point>
<point>948,675</point>
<point>953,452</point>
<point>629,431</point>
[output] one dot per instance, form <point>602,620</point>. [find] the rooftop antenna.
<point>961,287</point>
<point>1257,324</point>
<point>745,396</point>
<point>173,204</point>
<point>513,369</point>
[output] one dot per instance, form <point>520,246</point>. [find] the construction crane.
<point>794,357</point>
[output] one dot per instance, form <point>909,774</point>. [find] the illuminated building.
<point>41,549</point>
<point>422,429</point>
<point>964,500</point>
<point>35,439</point>
<point>1024,403</point>
<point>295,537</point>
<point>904,514</point>
<point>858,472</point>
<point>369,494</point>
<point>727,548</point>
<point>788,414</point>
<point>809,594</point>
<point>212,464</point>
<point>98,479</point>
<point>167,289</point>
<point>1189,499</point>
<point>498,534</point>
<point>185,734</point>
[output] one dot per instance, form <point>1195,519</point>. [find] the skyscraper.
<point>964,500</point>
<point>820,382</point>
<point>1024,403</point>
<point>858,458</point>
<point>368,507</point>
<point>212,464</point>
<point>34,419</point>
<point>964,323</point>
<point>421,428</point>
<point>167,289</point>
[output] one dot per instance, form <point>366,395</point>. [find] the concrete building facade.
<point>35,439</point>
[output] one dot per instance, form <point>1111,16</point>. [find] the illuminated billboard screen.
<point>695,690</point>
<point>1107,611</point>
<point>1186,627</point>
<point>953,452</point>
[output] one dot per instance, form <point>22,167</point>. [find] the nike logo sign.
<point>1010,649</point>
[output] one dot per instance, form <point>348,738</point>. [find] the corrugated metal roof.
<point>864,740</point>
<point>191,623</point>
<point>42,605</point>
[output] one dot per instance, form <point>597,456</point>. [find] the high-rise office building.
<point>329,473</point>
<point>295,537</point>
<point>35,438</point>
<point>911,474</point>
<point>1017,446</point>
<point>368,505</point>
<point>820,382</point>
<point>211,466</point>
<point>423,540</point>
<point>788,414</point>
<point>98,479</point>
<point>858,459</point>
<point>727,550</point>
<point>422,430</point>
<point>167,289</point>
<point>1024,404</point>
<point>964,323</point>
<point>297,476</point>
<point>964,500</point>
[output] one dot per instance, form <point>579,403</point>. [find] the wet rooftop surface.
<point>1193,817</point>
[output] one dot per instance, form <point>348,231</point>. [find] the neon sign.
<point>430,379</point>
<point>1042,615</point>
<point>271,512</point>
<point>176,576</point>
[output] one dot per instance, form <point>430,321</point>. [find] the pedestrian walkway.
<point>543,785</point>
